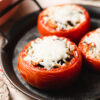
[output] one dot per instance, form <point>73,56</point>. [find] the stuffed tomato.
<point>68,20</point>
<point>90,48</point>
<point>50,62</point>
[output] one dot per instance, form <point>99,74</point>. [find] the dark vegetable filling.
<point>84,42</point>
<point>55,66</point>
<point>69,59</point>
<point>60,62</point>
<point>54,23</point>
<point>39,65</point>
<point>80,12</point>
<point>70,23</point>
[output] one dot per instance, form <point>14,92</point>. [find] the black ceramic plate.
<point>87,87</point>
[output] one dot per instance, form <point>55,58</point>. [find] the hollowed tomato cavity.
<point>50,52</point>
<point>63,17</point>
<point>91,44</point>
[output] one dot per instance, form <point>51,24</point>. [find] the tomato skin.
<point>49,79</point>
<point>74,34</point>
<point>92,62</point>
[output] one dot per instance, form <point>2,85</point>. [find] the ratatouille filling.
<point>63,17</point>
<point>91,44</point>
<point>50,52</point>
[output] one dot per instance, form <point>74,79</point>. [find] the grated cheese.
<point>94,40</point>
<point>61,15</point>
<point>48,51</point>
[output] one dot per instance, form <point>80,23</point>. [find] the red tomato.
<point>74,34</point>
<point>93,63</point>
<point>50,79</point>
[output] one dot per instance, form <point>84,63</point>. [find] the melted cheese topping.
<point>93,41</point>
<point>49,50</point>
<point>64,17</point>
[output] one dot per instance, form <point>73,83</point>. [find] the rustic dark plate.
<point>87,87</point>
